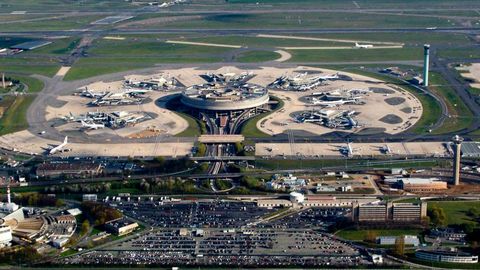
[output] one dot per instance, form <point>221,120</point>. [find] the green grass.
<point>360,235</point>
<point>28,66</point>
<point>459,53</point>
<point>456,211</point>
<point>347,55</point>
<point>249,128</point>
<point>14,119</point>
<point>71,22</point>
<point>322,163</point>
<point>58,47</point>
<point>194,128</point>
<point>257,56</point>
<point>461,116</point>
<point>305,20</point>
<point>34,85</point>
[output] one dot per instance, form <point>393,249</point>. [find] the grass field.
<point>456,211</point>
<point>461,116</point>
<point>34,85</point>
<point>306,20</point>
<point>249,128</point>
<point>14,119</point>
<point>276,164</point>
<point>257,56</point>
<point>194,128</point>
<point>346,55</point>
<point>360,235</point>
<point>30,65</point>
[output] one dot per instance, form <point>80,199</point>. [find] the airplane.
<point>348,150</point>
<point>59,147</point>
<point>363,46</point>
<point>386,149</point>
<point>92,125</point>
<point>90,94</point>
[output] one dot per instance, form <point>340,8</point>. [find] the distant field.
<point>67,23</point>
<point>456,211</point>
<point>257,56</point>
<point>57,47</point>
<point>14,119</point>
<point>26,65</point>
<point>306,20</point>
<point>462,117</point>
<point>34,85</point>
<point>356,55</point>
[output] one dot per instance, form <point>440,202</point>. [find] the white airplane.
<point>90,94</point>
<point>327,77</point>
<point>347,150</point>
<point>59,147</point>
<point>386,149</point>
<point>92,125</point>
<point>363,46</point>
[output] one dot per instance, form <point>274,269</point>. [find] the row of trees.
<point>79,188</point>
<point>174,185</point>
<point>38,200</point>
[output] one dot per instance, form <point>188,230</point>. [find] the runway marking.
<point>114,38</point>
<point>203,44</point>
<point>340,48</point>
<point>356,4</point>
<point>329,39</point>
<point>62,71</point>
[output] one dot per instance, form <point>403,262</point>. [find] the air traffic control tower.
<point>457,145</point>
<point>426,63</point>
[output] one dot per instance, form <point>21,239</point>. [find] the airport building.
<point>390,212</point>
<point>421,184</point>
<point>446,256</point>
<point>225,92</point>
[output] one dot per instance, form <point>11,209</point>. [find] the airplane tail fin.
<point>356,44</point>
<point>65,141</point>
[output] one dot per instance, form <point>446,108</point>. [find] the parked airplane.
<point>348,150</point>
<point>92,125</point>
<point>59,147</point>
<point>385,150</point>
<point>363,46</point>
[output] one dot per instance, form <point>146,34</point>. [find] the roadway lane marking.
<point>203,44</point>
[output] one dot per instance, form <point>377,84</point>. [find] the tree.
<point>399,248</point>
<point>85,227</point>
<point>371,236</point>
<point>437,216</point>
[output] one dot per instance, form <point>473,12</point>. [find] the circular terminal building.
<point>225,96</point>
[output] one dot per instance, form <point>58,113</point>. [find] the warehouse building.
<point>121,226</point>
<point>421,184</point>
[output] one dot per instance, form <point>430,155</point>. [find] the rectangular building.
<point>422,184</point>
<point>121,226</point>
<point>390,212</point>
<point>68,168</point>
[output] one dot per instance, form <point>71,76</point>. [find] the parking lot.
<point>213,214</point>
<point>246,247</point>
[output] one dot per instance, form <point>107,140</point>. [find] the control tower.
<point>426,63</point>
<point>457,145</point>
